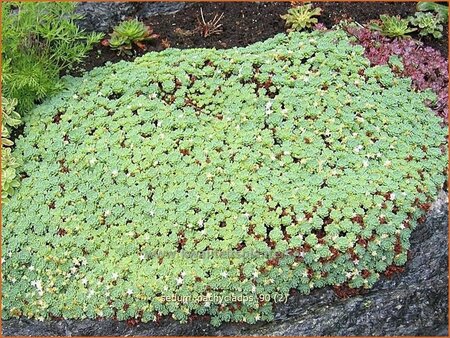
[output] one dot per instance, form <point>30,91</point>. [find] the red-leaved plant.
<point>427,68</point>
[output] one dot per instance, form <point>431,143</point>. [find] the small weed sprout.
<point>211,27</point>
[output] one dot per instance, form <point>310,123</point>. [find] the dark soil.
<point>244,23</point>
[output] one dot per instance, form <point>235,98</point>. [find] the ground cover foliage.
<point>218,175</point>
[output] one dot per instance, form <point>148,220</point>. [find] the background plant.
<point>10,119</point>
<point>439,9</point>
<point>393,26</point>
<point>290,163</point>
<point>128,33</point>
<point>428,24</point>
<point>39,41</point>
<point>301,16</point>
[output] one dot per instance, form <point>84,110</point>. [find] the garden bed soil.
<point>245,23</point>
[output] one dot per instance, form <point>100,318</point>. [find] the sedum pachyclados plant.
<point>205,182</point>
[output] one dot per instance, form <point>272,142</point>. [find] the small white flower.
<point>84,281</point>
<point>183,274</point>
<point>142,257</point>
<point>179,281</point>
<point>31,268</point>
<point>392,197</point>
<point>115,172</point>
<point>358,149</point>
<point>92,161</point>
<point>269,107</point>
<point>129,292</point>
<point>387,163</point>
<point>200,222</point>
<point>107,213</point>
<point>115,275</point>
<point>37,284</point>
<point>253,289</point>
<point>224,274</point>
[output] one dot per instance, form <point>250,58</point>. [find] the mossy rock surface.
<point>213,182</point>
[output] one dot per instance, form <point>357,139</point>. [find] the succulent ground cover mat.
<point>213,182</point>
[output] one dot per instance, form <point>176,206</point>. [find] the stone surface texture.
<point>103,16</point>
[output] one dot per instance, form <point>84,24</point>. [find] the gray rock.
<point>413,303</point>
<point>103,16</point>
<point>148,9</point>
